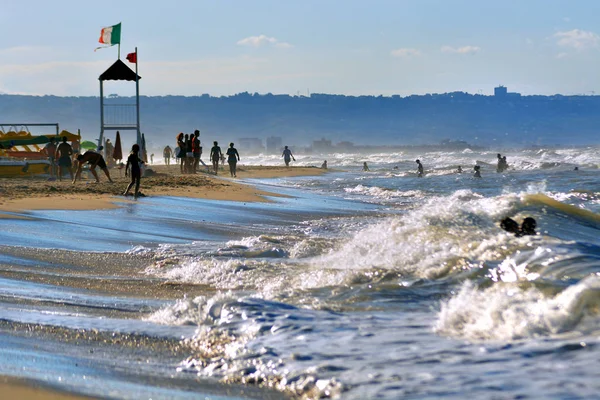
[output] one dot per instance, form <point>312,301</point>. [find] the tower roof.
<point>119,72</point>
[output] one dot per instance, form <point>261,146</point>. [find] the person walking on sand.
<point>167,152</point>
<point>136,172</point>
<point>215,156</point>
<point>420,170</point>
<point>94,159</point>
<point>196,149</point>
<point>64,152</point>
<point>181,151</point>
<point>287,155</point>
<point>232,158</point>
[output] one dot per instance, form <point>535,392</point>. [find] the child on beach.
<point>136,171</point>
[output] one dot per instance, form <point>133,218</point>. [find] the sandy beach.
<point>11,388</point>
<point>35,193</point>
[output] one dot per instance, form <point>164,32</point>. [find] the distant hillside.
<point>364,120</point>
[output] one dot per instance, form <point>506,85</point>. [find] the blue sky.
<point>191,47</point>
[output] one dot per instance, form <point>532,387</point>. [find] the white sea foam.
<point>508,312</point>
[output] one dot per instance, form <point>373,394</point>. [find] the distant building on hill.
<point>251,145</point>
<point>274,144</point>
<point>503,93</point>
<point>500,91</point>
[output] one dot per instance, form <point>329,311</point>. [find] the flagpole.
<point>137,98</point>
<point>119,46</point>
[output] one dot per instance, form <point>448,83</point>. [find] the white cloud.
<point>263,40</point>
<point>577,39</point>
<point>405,52</point>
<point>461,50</point>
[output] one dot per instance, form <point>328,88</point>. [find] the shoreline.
<point>39,193</point>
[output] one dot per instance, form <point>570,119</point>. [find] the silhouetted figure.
<point>527,226</point>
<point>459,170</point>
<point>167,152</point>
<point>324,165</point>
<point>232,158</point>
<point>180,152</point>
<point>419,168</point>
<point>502,163</point>
<point>365,166</point>
<point>215,156</point>
<point>64,153</point>
<point>196,149</point>
<point>477,173</point>
<point>287,156</point>
<point>136,171</point>
<point>94,159</point>
<point>576,169</point>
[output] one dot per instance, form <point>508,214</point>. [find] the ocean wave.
<point>509,312</point>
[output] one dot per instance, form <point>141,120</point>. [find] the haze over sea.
<point>358,285</point>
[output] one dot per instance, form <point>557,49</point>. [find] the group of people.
<point>60,157</point>
<point>189,152</point>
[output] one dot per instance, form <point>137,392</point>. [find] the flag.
<point>132,58</point>
<point>111,35</point>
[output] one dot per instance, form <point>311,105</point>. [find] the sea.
<point>354,284</point>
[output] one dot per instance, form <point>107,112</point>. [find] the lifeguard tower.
<point>119,116</point>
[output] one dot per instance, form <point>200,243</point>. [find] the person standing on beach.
<point>136,172</point>
<point>215,156</point>
<point>232,158</point>
<point>181,150</point>
<point>167,152</point>
<point>50,151</point>
<point>196,149</point>
<point>287,155</point>
<point>94,159</point>
<point>64,152</point>
<point>420,170</point>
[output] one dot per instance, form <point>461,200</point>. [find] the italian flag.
<point>111,35</point>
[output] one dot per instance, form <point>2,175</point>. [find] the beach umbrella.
<point>144,156</point>
<point>88,145</point>
<point>118,151</point>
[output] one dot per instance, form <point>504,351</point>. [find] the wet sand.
<point>12,388</point>
<point>37,193</point>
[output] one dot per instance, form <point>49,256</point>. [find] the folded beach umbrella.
<point>144,155</point>
<point>118,151</point>
<point>88,145</point>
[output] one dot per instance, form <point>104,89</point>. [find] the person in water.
<point>324,165</point>
<point>527,226</point>
<point>365,166</point>
<point>419,168</point>
<point>287,156</point>
<point>135,170</point>
<point>477,173</point>
<point>459,170</point>
<point>232,158</point>
<point>215,156</point>
<point>94,159</point>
